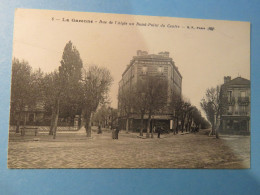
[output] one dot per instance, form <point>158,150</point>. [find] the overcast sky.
<point>203,57</point>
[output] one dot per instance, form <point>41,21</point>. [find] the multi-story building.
<point>235,113</point>
<point>153,65</point>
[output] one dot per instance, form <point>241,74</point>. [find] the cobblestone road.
<point>75,150</point>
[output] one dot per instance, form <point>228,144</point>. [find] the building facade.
<point>235,114</point>
<point>29,114</point>
<point>145,65</point>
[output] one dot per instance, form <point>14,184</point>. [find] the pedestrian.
<point>117,132</point>
<point>99,129</point>
<point>113,134</point>
<point>159,131</point>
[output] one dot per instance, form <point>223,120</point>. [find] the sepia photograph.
<point>96,90</point>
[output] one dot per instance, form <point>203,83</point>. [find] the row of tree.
<point>150,96</point>
<point>106,116</point>
<point>70,90</point>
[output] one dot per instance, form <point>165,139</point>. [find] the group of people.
<point>115,133</point>
<point>156,129</point>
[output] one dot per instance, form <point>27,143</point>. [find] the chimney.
<point>227,79</point>
<point>141,53</point>
<point>165,54</point>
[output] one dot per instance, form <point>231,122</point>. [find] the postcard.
<point>96,90</point>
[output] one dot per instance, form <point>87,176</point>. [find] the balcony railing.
<point>243,113</point>
<point>238,113</point>
<point>229,101</point>
<point>243,100</point>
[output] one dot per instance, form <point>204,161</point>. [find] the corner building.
<point>235,117</point>
<point>156,65</point>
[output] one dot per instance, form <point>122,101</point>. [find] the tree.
<point>126,97</point>
<point>68,82</point>
<point>101,115</point>
<point>190,117</point>
<point>186,108</point>
<point>113,117</point>
<point>198,119</point>
<point>96,84</point>
<point>20,89</point>
<point>177,106</point>
<point>51,90</point>
<point>155,95</point>
<point>212,105</point>
<point>140,103</point>
<point>26,90</point>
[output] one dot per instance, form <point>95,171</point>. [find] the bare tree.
<point>155,95</point>
<point>212,105</point>
<point>190,116</point>
<point>101,115</point>
<point>140,103</point>
<point>127,101</point>
<point>186,108</point>
<point>96,83</point>
<point>177,106</point>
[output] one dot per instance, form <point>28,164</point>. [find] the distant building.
<point>32,114</point>
<point>235,115</point>
<point>141,66</point>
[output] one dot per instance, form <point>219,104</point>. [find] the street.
<point>75,150</point>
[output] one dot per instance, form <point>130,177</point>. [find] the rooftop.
<point>238,81</point>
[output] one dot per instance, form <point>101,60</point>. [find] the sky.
<point>202,56</point>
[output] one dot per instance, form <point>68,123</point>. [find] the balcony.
<point>229,101</point>
<point>243,100</point>
<point>244,113</point>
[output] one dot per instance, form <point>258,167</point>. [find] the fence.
<point>46,128</point>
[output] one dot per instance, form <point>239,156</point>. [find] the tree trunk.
<point>212,128</point>
<point>52,120</point>
<point>127,124</point>
<point>189,123</point>
<point>148,126</point>
<point>57,110</point>
<point>152,128</point>
<point>18,123</point>
<point>182,125</point>
<point>217,126</point>
<point>142,125</point>
<point>217,135</point>
<point>88,125</point>
<point>177,126</point>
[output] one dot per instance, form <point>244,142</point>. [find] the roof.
<point>238,81</point>
<point>152,56</point>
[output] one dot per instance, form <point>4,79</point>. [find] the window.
<point>144,70</point>
<point>229,96</point>
<point>242,94</point>
<point>243,108</point>
<point>160,70</point>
